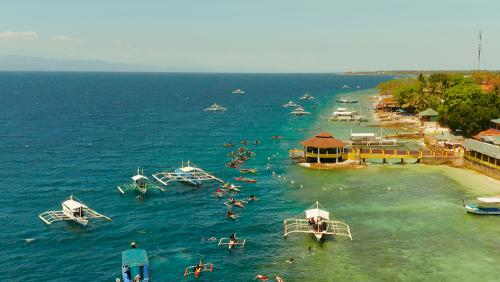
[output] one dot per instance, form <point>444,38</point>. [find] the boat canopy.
<point>362,134</point>
<point>73,205</point>
<point>317,212</point>
<point>490,200</point>
<point>138,176</point>
<point>135,257</point>
<point>188,169</point>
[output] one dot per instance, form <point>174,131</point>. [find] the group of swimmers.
<point>319,225</point>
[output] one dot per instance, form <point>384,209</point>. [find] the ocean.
<point>86,133</point>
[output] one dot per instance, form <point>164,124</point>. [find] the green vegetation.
<point>465,103</point>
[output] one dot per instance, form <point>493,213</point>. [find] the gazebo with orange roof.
<point>323,148</point>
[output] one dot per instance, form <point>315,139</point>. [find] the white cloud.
<point>18,35</point>
<point>64,38</point>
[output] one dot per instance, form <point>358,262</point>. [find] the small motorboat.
<point>72,210</point>
<point>215,108</point>
<point>484,206</point>
<point>248,170</point>
<point>290,104</point>
<point>135,265</point>
<point>238,91</point>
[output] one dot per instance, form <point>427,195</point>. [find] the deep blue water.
<point>86,133</point>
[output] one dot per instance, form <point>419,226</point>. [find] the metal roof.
<point>497,120</point>
<point>483,148</point>
<point>428,113</point>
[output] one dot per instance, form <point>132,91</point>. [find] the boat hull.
<point>475,210</point>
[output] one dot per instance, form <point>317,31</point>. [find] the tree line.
<point>465,103</point>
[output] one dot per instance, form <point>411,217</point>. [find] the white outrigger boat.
<point>299,111</point>
<point>140,183</point>
<point>342,114</point>
<point>238,91</point>
<point>485,206</point>
<point>307,96</point>
<point>188,173</point>
<point>215,108</point>
<point>72,210</point>
<point>317,222</point>
<point>347,101</point>
<point>290,104</point>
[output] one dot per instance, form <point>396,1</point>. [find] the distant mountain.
<point>24,63</point>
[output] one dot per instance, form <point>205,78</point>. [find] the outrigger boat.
<point>189,174</point>
<point>317,222</point>
<point>342,114</point>
<point>299,111</point>
<point>230,214</point>
<point>345,86</point>
<point>248,170</point>
<point>238,91</point>
<point>198,269</point>
<point>72,210</point>
<point>243,179</point>
<point>215,108</point>
<point>140,183</point>
<point>290,104</point>
<point>307,96</point>
<point>347,101</point>
<point>135,265</point>
<point>232,242</point>
<point>488,206</point>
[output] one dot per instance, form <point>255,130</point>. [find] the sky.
<point>257,35</point>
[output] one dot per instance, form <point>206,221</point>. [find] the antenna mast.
<point>479,51</point>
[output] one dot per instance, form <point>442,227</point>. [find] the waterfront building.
<point>495,123</point>
<point>323,148</point>
<point>427,115</point>
<point>491,136</point>
<point>483,153</point>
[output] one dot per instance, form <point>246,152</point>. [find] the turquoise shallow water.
<point>85,133</point>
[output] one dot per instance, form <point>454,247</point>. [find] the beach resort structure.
<point>323,148</point>
<point>495,123</point>
<point>483,153</point>
<point>427,115</point>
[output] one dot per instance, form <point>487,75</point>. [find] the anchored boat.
<point>135,265</point>
<point>290,104</point>
<point>198,269</point>
<point>342,114</point>
<point>307,96</point>
<point>140,183</point>
<point>238,91</point>
<point>215,108</point>
<point>317,222</point>
<point>188,173</point>
<point>486,206</point>
<point>347,101</point>
<point>299,111</point>
<point>72,210</point>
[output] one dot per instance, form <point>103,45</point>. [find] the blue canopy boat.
<point>489,206</point>
<point>135,263</point>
